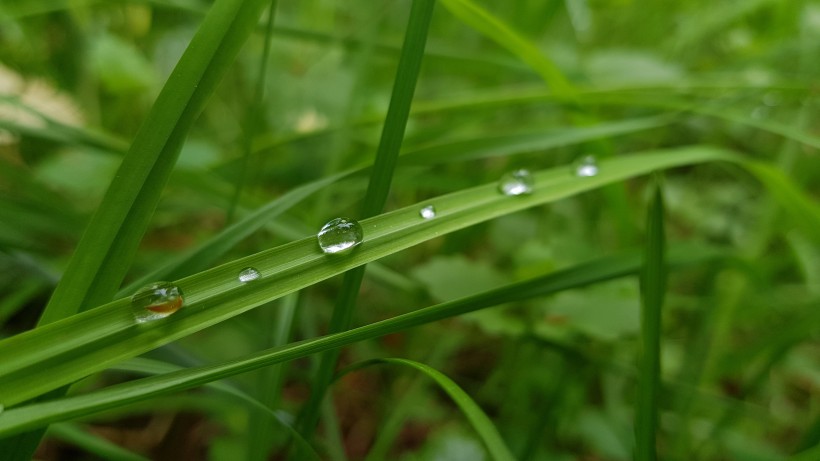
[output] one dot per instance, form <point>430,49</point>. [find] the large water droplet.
<point>156,301</point>
<point>340,234</point>
<point>518,182</point>
<point>428,212</point>
<point>587,167</point>
<point>248,274</point>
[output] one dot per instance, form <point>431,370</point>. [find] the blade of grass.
<point>653,289</point>
<point>155,367</point>
<point>270,380</point>
<point>110,241</point>
<point>31,416</point>
<point>254,114</point>
<point>484,22</point>
<point>103,255</point>
<point>73,434</point>
<point>404,86</point>
<point>93,340</point>
<point>487,433</point>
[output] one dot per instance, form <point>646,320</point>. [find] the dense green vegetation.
<point>663,305</point>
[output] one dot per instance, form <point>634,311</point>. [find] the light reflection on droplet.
<point>518,182</point>
<point>248,274</point>
<point>156,301</point>
<point>428,212</point>
<point>340,234</point>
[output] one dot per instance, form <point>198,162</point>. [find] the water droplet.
<point>518,182</point>
<point>587,167</point>
<point>428,212</point>
<point>339,235</point>
<point>248,274</point>
<point>156,301</point>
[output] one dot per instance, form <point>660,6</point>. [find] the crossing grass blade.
<point>485,429</point>
<point>26,417</point>
<point>395,124</point>
<point>75,435</point>
<point>59,354</point>
<point>103,255</point>
<point>484,22</point>
<point>653,289</point>
<point>155,367</point>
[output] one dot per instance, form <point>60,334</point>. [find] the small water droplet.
<point>428,212</point>
<point>518,182</point>
<point>156,301</point>
<point>340,234</point>
<point>587,167</point>
<point>248,274</point>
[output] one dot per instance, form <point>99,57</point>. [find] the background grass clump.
<point>664,308</point>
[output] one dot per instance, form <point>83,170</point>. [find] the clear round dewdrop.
<point>518,182</point>
<point>587,167</point>
<point>248,274</point>
<point>428,212</point>
<point>340,234</point>
<point>156,301</point>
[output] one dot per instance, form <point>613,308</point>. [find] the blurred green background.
<point>557,375</point>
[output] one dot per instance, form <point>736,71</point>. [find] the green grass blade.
<point>487,24</point>
<point>205,254</point>
<point>404,87</point>
<point>488,434</point>
<point>91,443</point>
<point>103,255</point>
<point>653,289</point>
<point>155,367</point>
<point>15,420</point>
<point>254,118</point>
<point>93,340</point>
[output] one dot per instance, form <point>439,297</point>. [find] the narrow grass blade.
<point>404,87</point>
<point>487,24</point>
<point>487,433</point>
<point>203,255</point>
<point>91,341</point>
<point>27,417</point>
<point>103,255</point>
<point>254,120</point>
<point>105,251</point>
<point>155,367</point>
<point>653,289</point>
<point>73,434</point>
